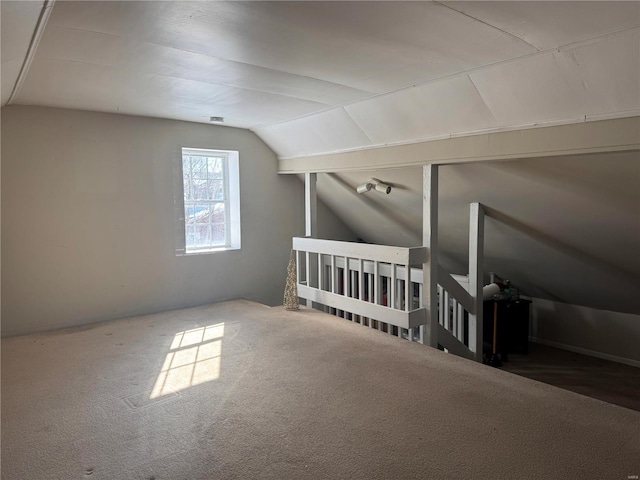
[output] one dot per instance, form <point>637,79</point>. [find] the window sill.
<point>207,252</point>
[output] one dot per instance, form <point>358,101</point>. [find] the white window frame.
<point>231,182</point>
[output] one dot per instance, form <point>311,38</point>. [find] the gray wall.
<point>601,333</point>
<point>88,228</point>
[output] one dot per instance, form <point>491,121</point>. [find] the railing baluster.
<point>454,316</point>
<point>391,287</point>
<point>378,283</point>
<point>447,311</point>
<point>361,286</point>
<point>354,292</point>
<point>440,306</point>
<point>370,277</point>
<point>333,273</point>
<point>345,282</point>
<point>408,294</point>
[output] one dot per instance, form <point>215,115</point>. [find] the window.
<point>210,213</point>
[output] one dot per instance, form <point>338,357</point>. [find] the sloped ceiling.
<point>317,77</point>
<point>561,228</point>
<point>322,77</point>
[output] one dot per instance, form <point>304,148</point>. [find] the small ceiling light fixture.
<point>216,119</point>
<point>377,185</point>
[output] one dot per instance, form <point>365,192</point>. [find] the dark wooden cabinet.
<point>512,327</point>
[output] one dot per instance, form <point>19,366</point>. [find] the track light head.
<point>364,188</point>
<point>383,188</point>
<point>380,186</point>
<point>376,184</point>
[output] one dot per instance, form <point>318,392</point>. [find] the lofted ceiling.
<point>312,78</point>
<point>318,77</point>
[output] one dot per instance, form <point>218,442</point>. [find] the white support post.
<point>476,261</point>
<point>430,240</point>
<point>310,217</point>
<point>310,205</point>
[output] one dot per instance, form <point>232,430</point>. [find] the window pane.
<point>218,234</point>
<point>215,167</point>
<point>217,213</point>
<point>202,235</point>
<point>215,189</point>
<point>189,214</point>
<point>186,185</point>
<point>199,167</point>
<point>199,189</point>
<point>190,236</point>
<point>202,214</point>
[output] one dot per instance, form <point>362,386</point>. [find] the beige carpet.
<point>242,391</point>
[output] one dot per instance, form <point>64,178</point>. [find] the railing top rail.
<point>380,253</point>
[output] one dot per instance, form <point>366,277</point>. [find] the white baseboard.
<point>584,351</point>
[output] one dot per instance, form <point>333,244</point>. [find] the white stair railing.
<point>362,282</point>
<point>382,287</point>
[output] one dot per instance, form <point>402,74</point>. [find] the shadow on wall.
<point>561,246</point>
<point>611,333</point>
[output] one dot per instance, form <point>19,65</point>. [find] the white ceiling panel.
<point>423,112</point>
<point>548,24</point>
<point>371,46</point>
<point>76,85</point>
<point>589,69</point>
<point>130,54</point>
<point>18,23</point>
<point>333,130</point>
<point>565,85</point>
<point>530,91</point>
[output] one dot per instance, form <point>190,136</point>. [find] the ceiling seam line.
<point>230,85</point>
<point>199,81</point>
<point>47,7</point>
<point>340,85</point>
<point>548,51</point>
<point>262,67</point>
<point>488,25</point>
<point>356,124</point>
<point>484,102</point>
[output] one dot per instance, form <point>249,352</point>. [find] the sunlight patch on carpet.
<point>193,359</point>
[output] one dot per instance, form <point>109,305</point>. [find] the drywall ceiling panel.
<point>390,45</point>
<point>588,70</point>
<point>132,55</point>
<point>529,91</point>
<point>18,23</point>
<point>424,112</point>
<point>552,24</point>
<point>88,86</point>
<point>332,130</point>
